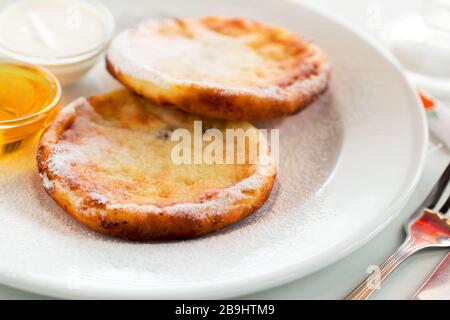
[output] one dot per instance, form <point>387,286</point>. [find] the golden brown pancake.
<point>107,161</point>
<point>217,67</point>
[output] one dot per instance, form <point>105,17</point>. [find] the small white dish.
<point>64,36</point>
<point>348,164</point>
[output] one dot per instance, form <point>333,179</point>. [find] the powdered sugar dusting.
<point>43,247</point>
<point>46,183</point>
<point>99,198</point>
<point>121,54</point>
<point>310,205</point>
<point>64,155</point>
<point>211,60</point>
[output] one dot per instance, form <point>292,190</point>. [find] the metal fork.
<point>427,228</point>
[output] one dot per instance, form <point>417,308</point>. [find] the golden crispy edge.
<point>306,83</point>
<point>131,224</point>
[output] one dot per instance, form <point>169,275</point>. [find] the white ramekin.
<point>67,68</point>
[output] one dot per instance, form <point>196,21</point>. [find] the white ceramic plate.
<point>348,164</point>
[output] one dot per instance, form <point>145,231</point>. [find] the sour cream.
<point>55,33</point>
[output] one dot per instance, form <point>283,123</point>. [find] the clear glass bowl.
<point>15,132</point>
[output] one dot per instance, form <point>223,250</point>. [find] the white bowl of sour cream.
<point>65,36</point>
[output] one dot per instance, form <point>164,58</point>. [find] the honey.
<point>29,100</point>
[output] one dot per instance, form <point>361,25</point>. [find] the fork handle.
<point>373,281</point>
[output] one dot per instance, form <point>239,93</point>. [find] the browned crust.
<point>301,84</point>
<point>129,224</point>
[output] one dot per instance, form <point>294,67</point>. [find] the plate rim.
<point>235,288</point>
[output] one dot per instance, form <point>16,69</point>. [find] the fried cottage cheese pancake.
<point>107,161</point>
<point>223,68</point>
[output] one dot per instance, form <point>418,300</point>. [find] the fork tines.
<point>439,189</point>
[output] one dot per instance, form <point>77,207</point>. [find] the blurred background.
<point>417,32</point>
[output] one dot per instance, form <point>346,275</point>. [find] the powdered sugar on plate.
<point>346,165</point>
<point>309,152</point>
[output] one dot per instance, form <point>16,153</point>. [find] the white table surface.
<point>338,279</point>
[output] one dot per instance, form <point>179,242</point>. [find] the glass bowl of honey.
<point>30,98</point>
